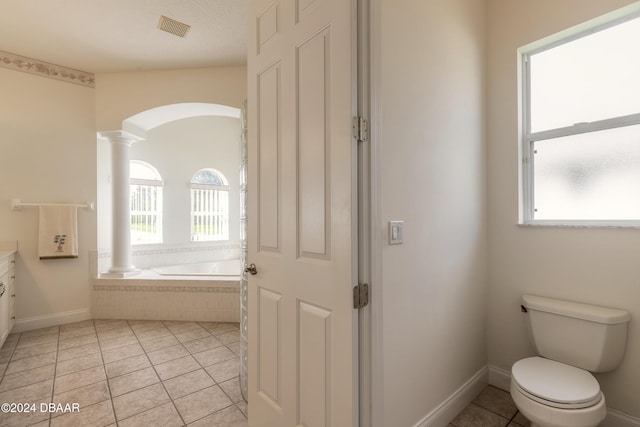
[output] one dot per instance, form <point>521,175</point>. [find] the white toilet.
<point>557,389</point>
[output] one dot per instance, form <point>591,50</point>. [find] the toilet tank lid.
<point>593,313</point>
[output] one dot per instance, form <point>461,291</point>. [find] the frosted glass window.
<point>591,176</point>
<point>581,130</point>
<point>587,79</point>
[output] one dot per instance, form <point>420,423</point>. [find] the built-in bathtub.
<point>214,269</point>
<point>206,292</point>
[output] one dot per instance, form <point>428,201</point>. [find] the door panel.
<point>302,214</point>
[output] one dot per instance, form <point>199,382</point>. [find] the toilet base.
<point>548,416</point>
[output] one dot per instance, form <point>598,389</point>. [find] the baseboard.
<point>619,419</point>
<point>454,404</point>
<point>502,379</point>
<point>499,378</point>
<point>38,322</point>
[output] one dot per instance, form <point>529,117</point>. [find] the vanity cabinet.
<point>7,294</point>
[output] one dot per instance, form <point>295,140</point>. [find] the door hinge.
<point>361,296</point>
<point>361,129</point>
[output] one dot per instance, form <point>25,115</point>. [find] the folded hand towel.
<point>58,232</point>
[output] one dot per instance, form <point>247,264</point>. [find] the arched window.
<point>209,206</point>
<point>146,203</point>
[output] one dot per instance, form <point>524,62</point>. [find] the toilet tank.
<point>586,336</point>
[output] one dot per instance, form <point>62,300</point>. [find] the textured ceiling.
<point>122,35</point>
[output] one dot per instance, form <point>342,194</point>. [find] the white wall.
<point>178,149</point>
<point>121,95</point>
<point>431,100</point>
<point>597,266</point>
<point>48,151</point>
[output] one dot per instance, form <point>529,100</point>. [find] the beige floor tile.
<point>496,400</point>
<point>5,355</point>
<point>202,403</point>
<point>176,367</point>
<point>164,415</point>
<point>29,341</point>
<point>153,334</point>
<point>179,327</point>
<point>217,328</point>
<point>3,366</point>
<point>192,334</point>
<point>78,364</point>
<point>126,366</point>
<point>23,378</point>
<point>85,396</point>
<point>166,354</point>
<point>133,381</point>
<point>475,416</point>
<point>112,334</point>
<point>34,350</point>
<point>232,389</point>
<point>121,353</point>
<point>242,405</point>
<point>107,345</point>
<point>79,379</point>
<point>31,363</point>
<point>138,401</point>
<point>75,352</point>
<point>224,371</point>
<point>229,337</point>
<point>229,417</point>
<point>115,324</point>
<point>521,420</point>
<point>77,341</point>
<point>38,392</point>
<point>188,383</point>
<point>202,344</point>
<point>159,343</point>
<point>24,419</point>
<point>235,348</point>
<point>76,325</point>
<point>98,415</point>
<point>78,332</point>
<point>53,330</point>
<point>145,325</point>
<point>213,356</point>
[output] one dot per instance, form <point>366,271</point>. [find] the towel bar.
<point>17,205</point>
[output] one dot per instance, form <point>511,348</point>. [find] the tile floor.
<point>493,407</point>
<point>133,373</point>
<point>152,373</point>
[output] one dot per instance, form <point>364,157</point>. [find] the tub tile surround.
<point>129,372</point>
<point>149,296</point>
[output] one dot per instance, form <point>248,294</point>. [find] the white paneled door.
<point>302,218</point>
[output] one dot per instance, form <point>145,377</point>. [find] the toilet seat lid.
<point>557,383</point>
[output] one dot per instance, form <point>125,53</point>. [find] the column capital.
<point>120,137</point>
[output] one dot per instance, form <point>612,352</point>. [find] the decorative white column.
<point>121,265</point>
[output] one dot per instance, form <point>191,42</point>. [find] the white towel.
<point>58,232</point>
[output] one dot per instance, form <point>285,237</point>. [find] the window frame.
<point>222,237</point>
<point>159,183</point>
<point>527,138</point>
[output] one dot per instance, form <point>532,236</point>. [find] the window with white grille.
<point>146,203</point>
<point>209,206</point>
<point>581,127</point>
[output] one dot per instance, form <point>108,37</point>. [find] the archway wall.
<point>120,96</point>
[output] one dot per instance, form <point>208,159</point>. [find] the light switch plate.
<point>396,232</point>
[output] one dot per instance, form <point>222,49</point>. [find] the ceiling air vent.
<point>172,26</point>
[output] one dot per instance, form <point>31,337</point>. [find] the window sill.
<point>580,224</point>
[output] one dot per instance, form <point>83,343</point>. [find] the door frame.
<point>372,232</point>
